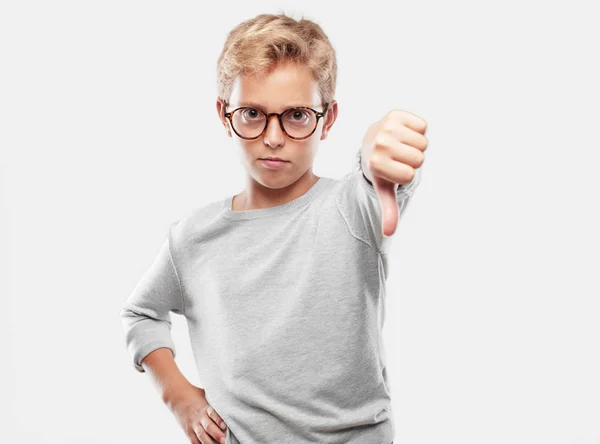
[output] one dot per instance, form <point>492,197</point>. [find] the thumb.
<point>386,191</point>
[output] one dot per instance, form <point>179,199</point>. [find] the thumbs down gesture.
<point>393,148</point>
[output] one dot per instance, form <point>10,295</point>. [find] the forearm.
<point>165,374</point>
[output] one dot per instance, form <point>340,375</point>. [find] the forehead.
<point>285,86</point>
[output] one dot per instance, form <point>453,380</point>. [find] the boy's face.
<point>285,87</point>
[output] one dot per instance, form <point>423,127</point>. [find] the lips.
<point>274,159</point>
<point>273,164</point>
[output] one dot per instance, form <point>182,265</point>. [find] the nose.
<point>274,135</point>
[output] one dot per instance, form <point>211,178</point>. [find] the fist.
<point>393,148</point>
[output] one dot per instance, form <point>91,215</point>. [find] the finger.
<point>409,119</point>
<point>212,429</point>
<point>204,437</point>
<point>407,154</point>
<point>385,166</point>
<point>389,147</point>
<point>194,435</point>
<point>386,191</point>
<point>216,418</point>
<point>407,135</point>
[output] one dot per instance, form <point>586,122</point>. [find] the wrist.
<point>173,393</point>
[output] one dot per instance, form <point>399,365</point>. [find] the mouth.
<point>272,163</point>
<point>273,159</point>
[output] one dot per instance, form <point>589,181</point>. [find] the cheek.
<point>246,148</point>
<point>310,149</point>
<point>302,151</point>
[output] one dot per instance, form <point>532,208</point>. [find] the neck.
<point>257,196</point>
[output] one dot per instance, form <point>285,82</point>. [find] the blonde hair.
<point>261,43</point>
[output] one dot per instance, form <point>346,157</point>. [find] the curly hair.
<point>261,43</point>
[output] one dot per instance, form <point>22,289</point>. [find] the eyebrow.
<point>257,105</point>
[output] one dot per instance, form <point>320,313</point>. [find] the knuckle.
<point>197,434</point>
<point>389,126</point>
<point>204,421</point>
<point>380,140</point>
<point>395,113</point>
<point>374,161</point>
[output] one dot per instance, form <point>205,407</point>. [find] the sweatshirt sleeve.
<point>145,316</point>
<point>358,204</point>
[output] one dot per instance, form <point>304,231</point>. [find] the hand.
<point>197,417</point>
<point>391,152</point>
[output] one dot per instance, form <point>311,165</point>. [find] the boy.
<point>282,285</point>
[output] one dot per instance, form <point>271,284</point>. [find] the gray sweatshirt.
<point>285,308</point>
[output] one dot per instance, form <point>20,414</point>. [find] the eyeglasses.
<point>298,123</point>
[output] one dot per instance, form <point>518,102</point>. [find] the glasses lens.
<point>299,122</point>
<point>249,122</point>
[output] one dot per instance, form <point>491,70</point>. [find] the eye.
<point>251,114</point>
<point>298,115</point>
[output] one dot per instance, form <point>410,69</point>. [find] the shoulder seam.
<point>176,273</point>
<point>337,205</point>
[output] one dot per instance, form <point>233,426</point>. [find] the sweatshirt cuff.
<point>145,337</point>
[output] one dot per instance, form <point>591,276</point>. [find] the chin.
<point>275,180</point>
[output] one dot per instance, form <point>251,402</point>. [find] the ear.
<point>221,112</point>
<point>330,118</point>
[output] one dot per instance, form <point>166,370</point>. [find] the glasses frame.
<point>319,114</point>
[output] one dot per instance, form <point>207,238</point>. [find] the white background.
<point>108,132</point>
